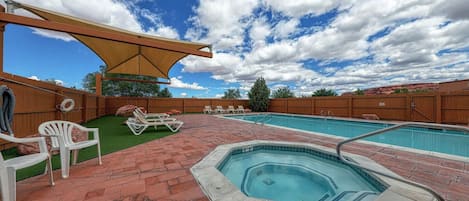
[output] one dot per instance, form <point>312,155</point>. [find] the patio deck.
<point>159,170</point>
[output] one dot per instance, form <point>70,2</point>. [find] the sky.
<point>303,44</point>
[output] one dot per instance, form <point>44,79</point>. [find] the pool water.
<point>284,175</point>
<point>442,141</point>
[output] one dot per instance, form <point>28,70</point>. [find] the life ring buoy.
<point>67,105</point>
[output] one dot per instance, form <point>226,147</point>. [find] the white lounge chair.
<point>219,109</point>
<point>151,115</point>
<point>138,124</point>
<point>240,109</point>
<point>8,167</point>
<point>230,109</point>
<point>60,133</point>
<point>207,109</point>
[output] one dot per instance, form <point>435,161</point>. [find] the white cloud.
<point>222,22</point>
<point>299,8</point>
<point>219,95</point>
<point>285,28</point>
<point>109,12</point>
<point>59,82</point>
<point>402,41</point>
<point>177,83</point>
<point>410,41</point>
<point>259,31</point>
<point>183,94</point>
<point>33,77</point>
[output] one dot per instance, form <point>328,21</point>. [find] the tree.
<point>259,96</point>
<point>324,92</point>
<point>165,93</point>
<point>359,92</point>
<point>121,88</point>
<point>401,91</point>
<point>283,92</point>
<point>232,94</point>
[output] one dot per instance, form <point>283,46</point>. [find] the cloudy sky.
<point>303,44</point>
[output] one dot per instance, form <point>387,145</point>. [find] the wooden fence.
<point>185,105</point>
<point>34,106</point>
<point>450,108</point>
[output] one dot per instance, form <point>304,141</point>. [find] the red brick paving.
<point>159,170</point>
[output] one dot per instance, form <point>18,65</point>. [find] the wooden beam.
<point>134,80</point>
<point>2,31</point>
<point>107,35</point>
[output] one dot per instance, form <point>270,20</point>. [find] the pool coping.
<point>418,151</point>
<point>217,187</point>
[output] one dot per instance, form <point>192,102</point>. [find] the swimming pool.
<point>289,173</point>
<point>441,141</point>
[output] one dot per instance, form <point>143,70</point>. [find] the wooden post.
<point>286,106</point>
<point>408,108</point>
<point>58,100</point>
<point>183,106</point>
<point>84,107</point>
<point>313,105</point>
<point>148,105</point>
<point>350,106</point>
<point>438,107</point>
<point>2,31</point>
<point>98,83</point>
<point>97,107</point>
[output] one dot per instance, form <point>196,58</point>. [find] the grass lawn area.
<point>114,136</point>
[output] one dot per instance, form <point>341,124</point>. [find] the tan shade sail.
<point>121,57</point>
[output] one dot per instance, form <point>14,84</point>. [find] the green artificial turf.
<point>114,136</point>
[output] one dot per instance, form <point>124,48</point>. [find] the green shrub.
<point>324,92</point>
<point>283,92</point>
<point>259,96</point>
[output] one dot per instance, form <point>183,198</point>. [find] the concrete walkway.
<point>159,170</point>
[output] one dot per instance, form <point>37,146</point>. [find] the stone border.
<point>217,187</point>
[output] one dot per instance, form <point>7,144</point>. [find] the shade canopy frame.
<point>122,51</point>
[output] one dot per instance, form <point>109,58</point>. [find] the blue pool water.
<point>443,141</point>
<point>284,175</point>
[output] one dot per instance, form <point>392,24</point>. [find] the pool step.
<point>355,196</point>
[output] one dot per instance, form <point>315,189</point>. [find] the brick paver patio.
<point>159,170</point>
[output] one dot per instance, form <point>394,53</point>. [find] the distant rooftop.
<point>456,85</point>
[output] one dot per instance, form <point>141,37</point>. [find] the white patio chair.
<point>219,109</point>
<point>207,109</point>
<point>230,109</point>
<point>151,115</point>
<point>60,133</point>
<point>240,109</point>
<point>138,124</point>
<point>8,167</point>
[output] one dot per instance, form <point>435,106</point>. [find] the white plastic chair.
<point>240,109</point>
<point>60,133</point>
<point>8,167</point>
<point>207,109</point>
<point>219,109</point>
<point>230,109</point>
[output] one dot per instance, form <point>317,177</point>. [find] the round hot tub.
<point>266,180</point>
